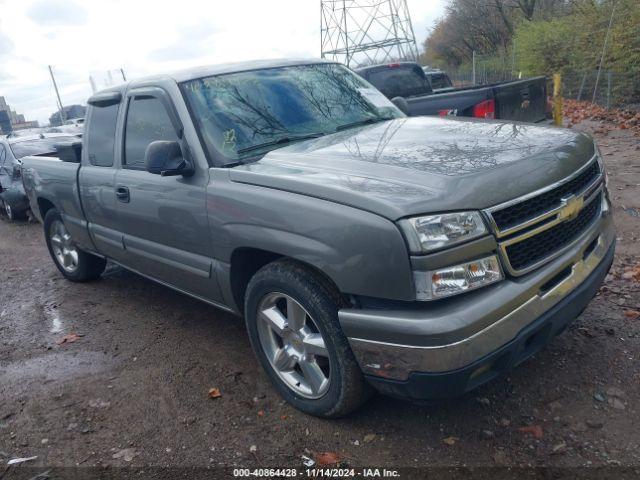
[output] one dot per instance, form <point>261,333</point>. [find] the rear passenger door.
<point>97,179</point>
<point>163,219</point>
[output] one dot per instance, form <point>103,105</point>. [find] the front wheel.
<point>292,319</point>
<point>75,264</point>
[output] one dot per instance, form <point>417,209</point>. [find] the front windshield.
<point>248,113</point>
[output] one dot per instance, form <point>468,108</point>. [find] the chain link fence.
<point>610,90</point>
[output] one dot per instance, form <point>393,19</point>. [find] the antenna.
<point>366,32</point>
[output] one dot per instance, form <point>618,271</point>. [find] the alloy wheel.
<point>63,247</point>
<point>294,345</point>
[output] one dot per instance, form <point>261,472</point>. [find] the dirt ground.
<point>133,389</point>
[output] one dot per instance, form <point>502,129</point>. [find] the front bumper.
<point>438,350</point>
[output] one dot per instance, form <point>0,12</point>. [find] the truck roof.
<point>382,66</point>
<point>211,70</point>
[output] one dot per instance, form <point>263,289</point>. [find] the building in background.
<point>11,120</point>
<point>70,112</point>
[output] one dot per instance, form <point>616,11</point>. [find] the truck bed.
<point>50,178</point>
<point>520,100</point>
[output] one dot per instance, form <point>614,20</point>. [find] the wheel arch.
<point>245,263</point>
<point>44,205</point>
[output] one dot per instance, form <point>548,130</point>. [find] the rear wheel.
<point>292,319</point>
<point>9,211</point>
<point>75,264</point>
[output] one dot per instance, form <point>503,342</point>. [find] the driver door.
<point>163,219</point>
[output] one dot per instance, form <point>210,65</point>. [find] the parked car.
<point>409,86</point>
<point>421,256</point>
<point>67,129</point>
<point>12,149</point>
<point>78,122</point>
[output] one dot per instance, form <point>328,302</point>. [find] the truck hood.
<point>411,166</point>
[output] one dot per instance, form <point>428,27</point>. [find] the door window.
<point>147,121</point>
<point>101,136</point>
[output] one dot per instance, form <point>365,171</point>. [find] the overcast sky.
<point>81,38</point>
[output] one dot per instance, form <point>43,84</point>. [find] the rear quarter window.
<point>101,136</point>
<point>400,81</point>
<point>439,80</point>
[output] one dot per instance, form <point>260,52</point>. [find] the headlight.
<point>445,282</point>
<point>437,231</point>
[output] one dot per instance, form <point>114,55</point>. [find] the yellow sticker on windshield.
<point>229,139</point>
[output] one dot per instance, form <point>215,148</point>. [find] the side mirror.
<point>165,158</point>
<point>402,104</point>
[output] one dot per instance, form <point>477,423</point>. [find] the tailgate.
<point>524,100</point>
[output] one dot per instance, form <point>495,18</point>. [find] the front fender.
<point>362,253</point>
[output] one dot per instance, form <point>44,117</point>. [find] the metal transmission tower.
<point>366,32</point>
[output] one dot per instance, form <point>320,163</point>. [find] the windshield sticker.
<point>229,140</point>
<point>374,97</point>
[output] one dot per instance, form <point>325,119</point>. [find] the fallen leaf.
<point>450,440</point>
<point>18,461</point>
<point>214,393</point>
<point>261,413</point>
<point>283,417</point>
<point>327,458</point>
<point>631,314</point>
<point>127,454</point>
<point>535,430</point>
<point>70,338</point>
<point>369,437</point>
<point>576,111</point>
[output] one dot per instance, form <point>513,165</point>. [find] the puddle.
<point>54,317</point>
<point>54,366</point>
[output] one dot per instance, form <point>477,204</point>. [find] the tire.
<point>8,211</point>
<point>278,287</point>
<point>13,214</point>
<point>83,266</point>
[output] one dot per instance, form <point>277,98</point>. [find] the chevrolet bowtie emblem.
<point>570,207</point>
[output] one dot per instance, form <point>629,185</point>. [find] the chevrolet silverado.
<point>420,256</point>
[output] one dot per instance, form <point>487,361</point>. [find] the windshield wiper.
<point>280,141</point>
<point>366,121</point>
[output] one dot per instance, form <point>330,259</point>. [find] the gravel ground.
<point>132,389</point>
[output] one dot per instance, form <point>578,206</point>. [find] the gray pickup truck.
<point>421,256</point>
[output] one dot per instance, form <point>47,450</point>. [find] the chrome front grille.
<point>513,215</point>
<point>536,228</point>
<point>533,249</point>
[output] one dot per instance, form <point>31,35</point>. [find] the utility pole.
<point>123,77</point>
<point>55,86</point>
<point>604,48</point>
<point>473,71</point>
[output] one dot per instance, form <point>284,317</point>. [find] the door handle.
<point>122,194</point>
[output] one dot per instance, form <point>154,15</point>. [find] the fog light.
<point>457,279</point>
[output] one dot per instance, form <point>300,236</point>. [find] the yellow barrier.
<point>557,99</point>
